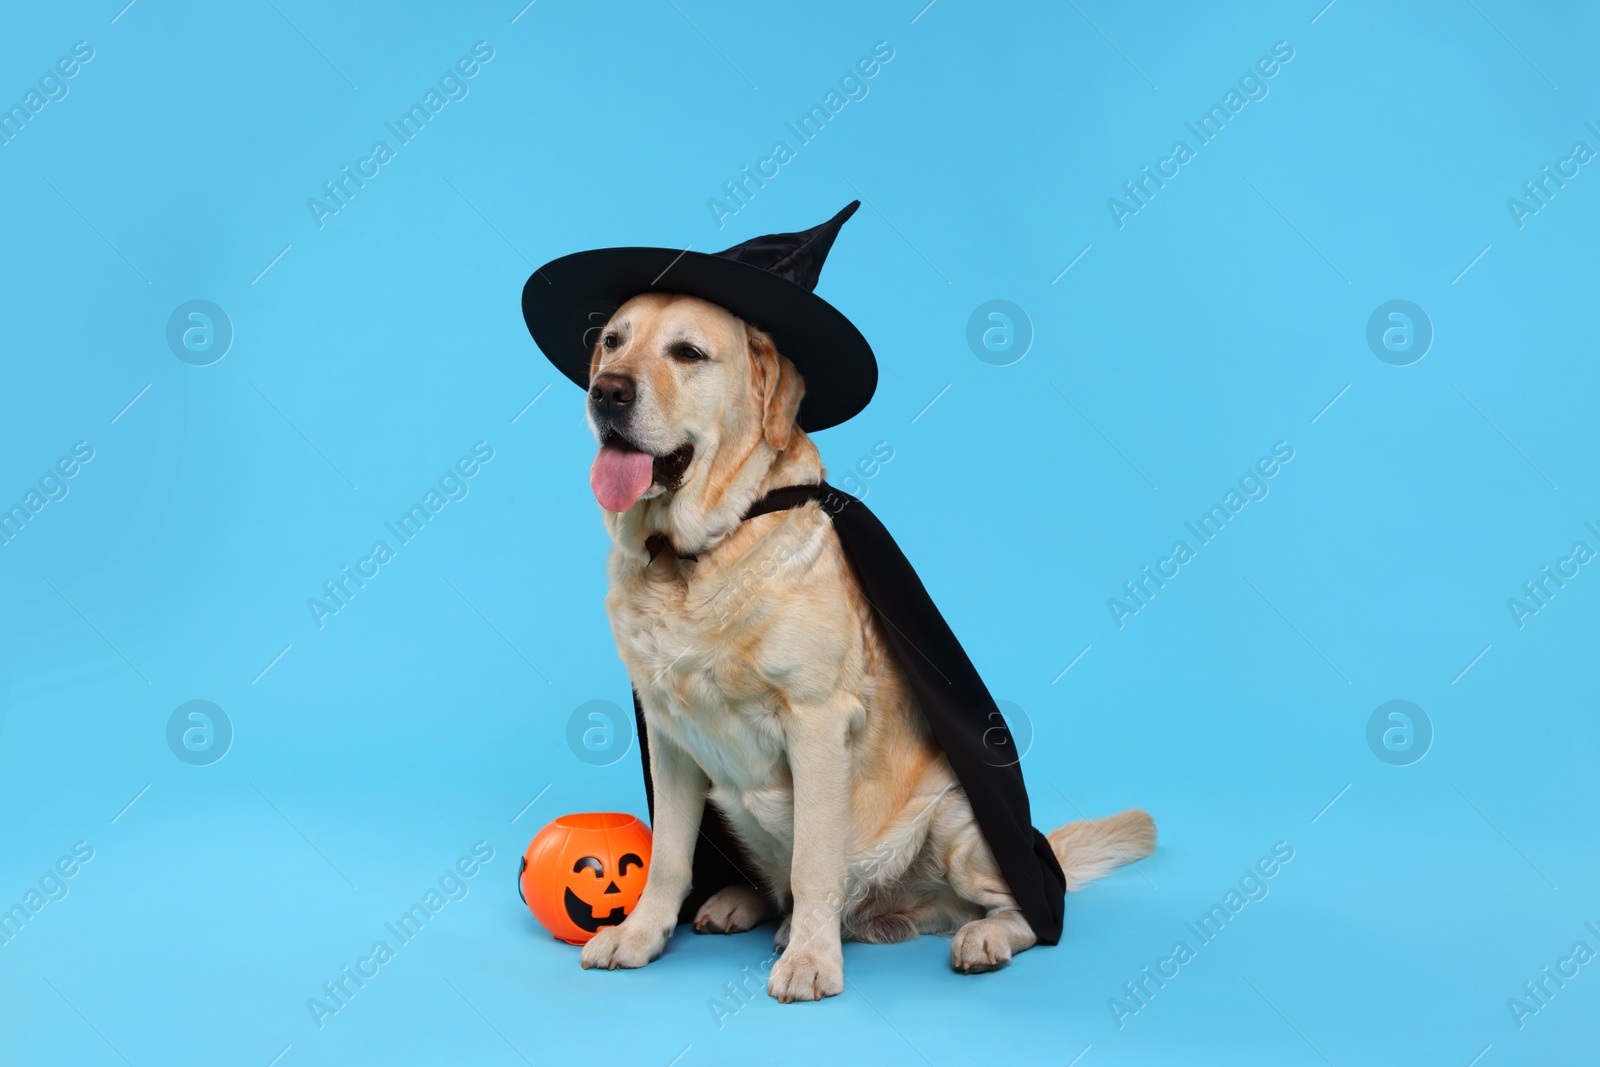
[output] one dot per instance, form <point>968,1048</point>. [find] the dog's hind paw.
<point>802,974</point>
<point>981,945</point>
<point>733,910</point>
<point>780,940</point>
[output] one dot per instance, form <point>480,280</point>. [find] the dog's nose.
<point>610,393</point>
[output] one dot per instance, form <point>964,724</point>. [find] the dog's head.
<point>690,404</point>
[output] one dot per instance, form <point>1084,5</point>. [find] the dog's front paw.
<point>733,910</point>
<point>981,945</point>
<point>629,945</point>
<point>806,974</point>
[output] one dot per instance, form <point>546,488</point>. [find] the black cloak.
<point>964,720</point>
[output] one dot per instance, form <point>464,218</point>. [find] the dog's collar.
<point>780,499</point>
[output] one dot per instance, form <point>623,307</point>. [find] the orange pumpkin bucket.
<point>585,872</point>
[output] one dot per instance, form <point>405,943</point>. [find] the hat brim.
<point>566,301</point>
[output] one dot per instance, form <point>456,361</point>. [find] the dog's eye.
<point>686,352</point>
<point>611,340</point>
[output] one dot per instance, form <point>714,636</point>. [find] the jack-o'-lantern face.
<point>585,872</point>
<point>585,909</point>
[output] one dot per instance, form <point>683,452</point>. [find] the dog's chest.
<point>698,659</point>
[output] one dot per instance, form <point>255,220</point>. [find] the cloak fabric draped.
<point>958,707</point>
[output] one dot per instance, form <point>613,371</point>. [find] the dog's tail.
<point>1092,847</point>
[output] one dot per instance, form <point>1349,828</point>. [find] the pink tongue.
<point>620,476</point>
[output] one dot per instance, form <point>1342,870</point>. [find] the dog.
<point>765,679</point>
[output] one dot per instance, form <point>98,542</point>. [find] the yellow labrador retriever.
<point>766,682</point>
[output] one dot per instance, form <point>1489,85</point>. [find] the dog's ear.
<point>778,388</point>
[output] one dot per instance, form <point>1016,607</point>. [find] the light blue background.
<point>426,715</point>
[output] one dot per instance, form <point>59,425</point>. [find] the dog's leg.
<point>680,794</point>
<point>733,910</point>
<point>812,966</point>
<point>985,944</point>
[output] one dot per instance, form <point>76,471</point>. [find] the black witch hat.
<point>767,281</point>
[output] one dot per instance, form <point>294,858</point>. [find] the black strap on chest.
<point>784,499</point>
